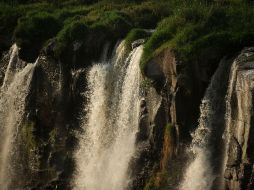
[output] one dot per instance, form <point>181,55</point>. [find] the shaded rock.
<point>234,153</point>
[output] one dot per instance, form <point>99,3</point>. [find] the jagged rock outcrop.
<point>240,156</point>
<point>173,98</point>
<point>171,109</point>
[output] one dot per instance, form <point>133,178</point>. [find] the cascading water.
<point>201,173</point>
<point>12,106</point>
<point>111,123</point>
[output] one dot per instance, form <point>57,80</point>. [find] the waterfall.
<point>13,63</point>
<point>207,138</point>
<point>13,94</point>
<point>111,123</point>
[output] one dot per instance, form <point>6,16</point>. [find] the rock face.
<point>169,111</point>
<point>240,156</point>
<point>54,102</point>
<point>46,138</point>
<point>171,98</point>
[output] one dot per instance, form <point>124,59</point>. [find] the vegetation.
<point>203,30</point>
<point>28,135</point>
<point>193,29</point>
<point>133,35</point>
<point>33,24</point>
<point>33,30</point>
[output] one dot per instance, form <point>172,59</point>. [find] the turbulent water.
<point>201,173</point>
<point>12,106</point>
<point>111,123</point>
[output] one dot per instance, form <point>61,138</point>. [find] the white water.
<point>199,174</point>
<point>12,104</point>
<point>108,141</point>
<point>12,66</point>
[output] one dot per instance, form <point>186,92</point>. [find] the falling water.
<point>12,104</point>
<point>111,123</point>
<point>200,174</point>
<point>11,68</point>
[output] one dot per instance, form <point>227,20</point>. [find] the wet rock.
<point>137,43</point>
<point>234,153</point>
<point>240,149</point>
<point>228,174</point>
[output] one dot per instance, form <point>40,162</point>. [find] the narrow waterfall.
<point>12,106</point>
<point>201,173</point>
<point>110,124</point>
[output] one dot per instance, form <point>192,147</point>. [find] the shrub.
<point>75,31</point>
<point>8,18</point>
<point>117,23</point>
<point>32,32</point>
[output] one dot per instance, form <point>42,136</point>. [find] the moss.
<point>146,84</point>
<point>159,178</point>
<point>28,130</point>
<point>53,136</point>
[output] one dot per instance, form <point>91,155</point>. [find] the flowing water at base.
<point>111,123</point>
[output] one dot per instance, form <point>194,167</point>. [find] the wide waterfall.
<point>204,170</point>
<point>13,95</point>
<point>110,124</point>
